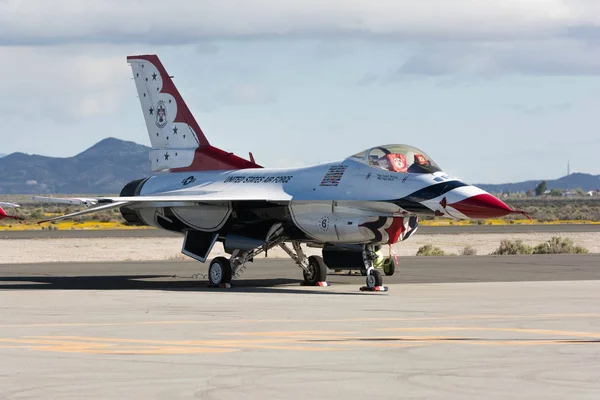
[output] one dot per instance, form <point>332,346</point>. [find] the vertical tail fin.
<point>178,143</point>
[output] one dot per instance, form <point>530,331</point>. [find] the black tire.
<point>219,271</point>
<point>375,279</point>
<point>389,267</point>
<point>317,271</point>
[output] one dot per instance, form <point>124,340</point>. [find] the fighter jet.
<point>346,207</point>
<point>4,215</point>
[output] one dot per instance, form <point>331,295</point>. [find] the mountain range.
<point>573,181</point>
<point>102,169</point>
<point>108,165</point>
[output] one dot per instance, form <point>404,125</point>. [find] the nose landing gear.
<point>374,279</point>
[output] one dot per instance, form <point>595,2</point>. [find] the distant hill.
<point>104,168</point>
<point>573,181</point>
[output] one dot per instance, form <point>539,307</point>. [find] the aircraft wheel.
<point>219,271</point>
<point>390,267</point>
<point>374,279</point>
<point>317,271</point>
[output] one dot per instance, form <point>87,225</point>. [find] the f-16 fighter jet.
<point>346,207</point>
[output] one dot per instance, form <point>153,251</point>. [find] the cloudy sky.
<point>494,91</point>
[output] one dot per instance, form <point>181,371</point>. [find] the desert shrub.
<point>104,217</point>
<point>468,251</point>
<point>37,213</point>
<point>509,247</point>
<point>429,250</point>
<point>558,245</point>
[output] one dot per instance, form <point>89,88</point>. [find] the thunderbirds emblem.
<point>161,114</point>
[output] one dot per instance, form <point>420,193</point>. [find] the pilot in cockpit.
<point>399,158</point>
<point>392,162</point>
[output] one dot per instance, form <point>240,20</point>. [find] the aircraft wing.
<point>74,201</point>
<point>103,207</point>
<point>170,200</point>
<point>8,205</point>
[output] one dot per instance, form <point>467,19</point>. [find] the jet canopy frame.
<point>398,158</point>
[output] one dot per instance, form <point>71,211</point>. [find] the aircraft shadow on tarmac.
<point>160,282</point>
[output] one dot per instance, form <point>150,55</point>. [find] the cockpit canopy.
<point>398,158</point>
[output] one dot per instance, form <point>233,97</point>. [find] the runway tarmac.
<point>438,230</point>
<point>271,273</point>
<point>522,327</point>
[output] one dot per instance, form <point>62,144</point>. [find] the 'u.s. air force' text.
<point>259,179</point>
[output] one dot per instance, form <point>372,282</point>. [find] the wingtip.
<point>523,213</point>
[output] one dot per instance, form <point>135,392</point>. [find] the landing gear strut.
<point>374,278</point>
<point>313,267</point>
<point>222,270</point>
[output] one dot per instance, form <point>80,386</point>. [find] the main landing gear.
<point>374,278</point>
<point>313,267</point>
<point>222,270</point>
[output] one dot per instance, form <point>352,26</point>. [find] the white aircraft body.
<point>347,207</point>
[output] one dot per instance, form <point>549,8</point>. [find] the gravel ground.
<point>140,249</point>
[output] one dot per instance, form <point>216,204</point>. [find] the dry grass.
<point>556,245</point>
<point>430,250</point>
<point>468,251</point>
<point>510,247</point>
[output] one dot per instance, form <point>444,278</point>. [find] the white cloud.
<point>245,94</point>
<point>494,59</point>
<point>183,21</point>
<point>60,83</point>
<point>487,37</point>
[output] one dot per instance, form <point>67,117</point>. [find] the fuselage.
<point>345,201</point>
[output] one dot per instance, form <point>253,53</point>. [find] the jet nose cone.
<point>482,206</point>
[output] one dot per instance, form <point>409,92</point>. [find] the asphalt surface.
<point>269,274</point>
<point>438,230</point>
<point>520,327</point>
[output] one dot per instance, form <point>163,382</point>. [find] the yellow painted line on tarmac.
<point>267,343</point>
<point>288,341</point>
<point>246,321</point>
<point>302,340</point>
<point>496,329</point>
<point>79,345</point>
<point>290,334</point>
